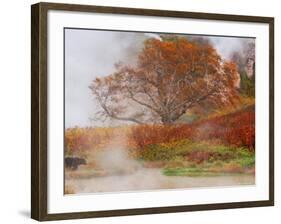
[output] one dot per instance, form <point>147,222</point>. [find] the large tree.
<point>171,76</point>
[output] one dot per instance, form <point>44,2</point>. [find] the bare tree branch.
<point>171,76</point>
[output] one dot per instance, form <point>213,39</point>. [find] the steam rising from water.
<point>90,54</point>
<point>120,173</point>
<point>114,158</point>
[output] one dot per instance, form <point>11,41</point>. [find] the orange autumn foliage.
<point>236,129</point>
<point>170,77</point>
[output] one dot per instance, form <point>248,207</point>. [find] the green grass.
<point>187,158</point>
<point>190,172</point>
<point>246,162</point>
<point>184,148</point>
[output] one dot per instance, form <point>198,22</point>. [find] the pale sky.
<point>92,53</point>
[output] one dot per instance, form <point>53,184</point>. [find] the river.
<point>152,179</point>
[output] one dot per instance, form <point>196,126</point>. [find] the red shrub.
<point>144,135</point>
<point>236,129</point>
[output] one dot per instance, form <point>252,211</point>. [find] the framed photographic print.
<point>138,111</point>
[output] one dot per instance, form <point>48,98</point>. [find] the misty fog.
<point>93,53</point>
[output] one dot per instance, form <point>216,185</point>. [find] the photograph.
<point>150,111</point>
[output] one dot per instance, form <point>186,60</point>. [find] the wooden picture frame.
<point>39,109</point>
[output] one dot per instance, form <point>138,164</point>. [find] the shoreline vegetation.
<point>186,115</point>
<point>217,146</point>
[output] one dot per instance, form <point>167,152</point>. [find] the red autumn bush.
<point>144,135</point>
<point>237,129</point>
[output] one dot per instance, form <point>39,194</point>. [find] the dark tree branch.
<point>113,115</point>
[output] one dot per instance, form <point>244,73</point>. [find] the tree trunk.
<point>166,120</point>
